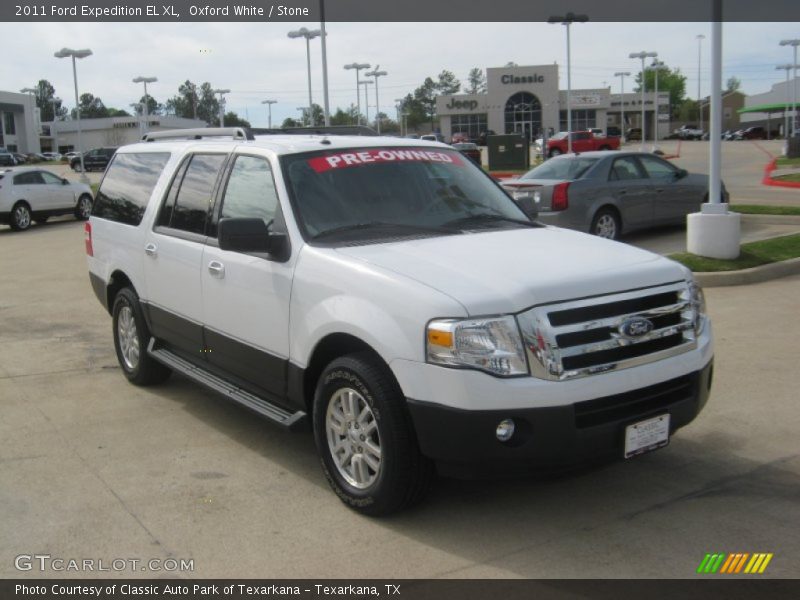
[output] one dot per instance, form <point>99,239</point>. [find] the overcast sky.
<point>258,61</point>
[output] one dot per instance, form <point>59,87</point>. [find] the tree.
<point>733,84</point>
<point>425,98</point>
<point>153,107</point>
<point>289,122</point>
<point>414,110</point>
<point>45,92</point>
<point>447,84</point>
<point>669,80</point>
<point>346,117</point>
<point>117,112</point>
<point>194,101</point>
<point>91,107</point>
<point>477,81</point>
<point>231,119</point>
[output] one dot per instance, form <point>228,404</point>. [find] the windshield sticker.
<point>341,160</point>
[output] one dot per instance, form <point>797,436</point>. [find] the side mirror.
<point>64,181</point>
<point>681,173</point>
<point>251,235</point>
<point>528,206</point>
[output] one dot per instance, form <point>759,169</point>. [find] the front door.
<point>58,196</point>
<point>628,184</point>
<point>673,198</point>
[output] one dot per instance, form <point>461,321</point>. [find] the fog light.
<point>505,429</point>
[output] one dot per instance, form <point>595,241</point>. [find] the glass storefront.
<point>523,115</point>
<point>472,125</point>
<point>582,119</point>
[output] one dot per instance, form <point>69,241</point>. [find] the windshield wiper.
<point>487,218</point>
<point>411,228</point>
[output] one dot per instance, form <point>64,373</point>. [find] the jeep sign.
<point>465,104</point>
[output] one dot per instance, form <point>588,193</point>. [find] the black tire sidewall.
<point>344,373</point>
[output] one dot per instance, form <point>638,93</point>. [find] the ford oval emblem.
<point>636,327</point>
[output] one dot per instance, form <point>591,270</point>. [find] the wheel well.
<point>605,147</point>
<point>327,350</point>
<point>118,281</point>
<point>25,202</point>
<point>610,208</point>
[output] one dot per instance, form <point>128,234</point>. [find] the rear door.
<point>674,198</point>
<point>173,254</point>
<point>28,187</point>
<point>630,187</point>
<point>246,296</point>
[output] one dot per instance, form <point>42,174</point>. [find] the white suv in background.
<point>390,294</point>
<point>30,194</point>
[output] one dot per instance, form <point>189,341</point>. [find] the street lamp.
<point>365,83</point>
<point>303,112</point>
<point>642,55</point>
<point>137,110</point>
<point>269,104</point>
<point>357,67</point>
<point>787,68</point>
<point>55,100</point>
<point>398,107</point>
<point>221,105</point>
<point>622,75</point>
<point>375,73</point>
<point>655,66</point>
<point>308,35</point>
<point>794,44</point>
<point>69,52</point>
<point>145,81</point>
<point>700,37</point>
<point>568,20</point>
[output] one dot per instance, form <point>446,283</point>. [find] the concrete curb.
<point>748,276</point>
<point>770,180</point>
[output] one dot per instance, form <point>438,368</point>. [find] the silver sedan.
<point>608,193</point>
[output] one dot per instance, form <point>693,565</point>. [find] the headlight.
<point>493,345</point>
<point>698,302</point>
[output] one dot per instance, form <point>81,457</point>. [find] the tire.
<point>605,148</point>
<point>20,218</point>
<point>554,152</point>
<point>76,166</point>
<point>360,410</point>
<point>130,341</point>
<point>606,224</point>
<point>84,208</point>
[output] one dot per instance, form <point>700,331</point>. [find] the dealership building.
<point>528,100</point>
<point>19,122</point>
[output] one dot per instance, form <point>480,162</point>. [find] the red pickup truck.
<point>582,141</point>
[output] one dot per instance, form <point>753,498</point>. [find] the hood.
<point>508,271</point>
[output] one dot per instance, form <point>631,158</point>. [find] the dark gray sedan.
<point>608,193</point>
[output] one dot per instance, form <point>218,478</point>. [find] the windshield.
<point>561,135</point>
<point>385,192</point>
<point>565,167</point>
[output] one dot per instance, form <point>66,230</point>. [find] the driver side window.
<point>250,192</point>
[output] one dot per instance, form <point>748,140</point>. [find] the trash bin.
<point>508,152</point>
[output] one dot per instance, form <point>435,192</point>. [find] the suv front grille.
<point>596,335</point>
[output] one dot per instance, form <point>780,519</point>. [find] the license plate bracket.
<point>647,435</point>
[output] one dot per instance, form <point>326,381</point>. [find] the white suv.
<point>30,194</point>
<point>391,295</point>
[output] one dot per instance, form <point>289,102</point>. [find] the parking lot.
<point>94,468</point>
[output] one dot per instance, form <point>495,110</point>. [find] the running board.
<point>266,409</point>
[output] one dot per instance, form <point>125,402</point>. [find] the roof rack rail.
<point>236,133</point>
<point>321,130</point>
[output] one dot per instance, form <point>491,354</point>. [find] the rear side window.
<point>196,193</point>
<point>127,186</point>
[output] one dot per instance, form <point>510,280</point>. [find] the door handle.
<point>216,268</point>
<point>151,249</point>
<point>623,192</point>
<point>659,190</point>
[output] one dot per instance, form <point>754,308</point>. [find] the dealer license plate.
<point>646,436</point>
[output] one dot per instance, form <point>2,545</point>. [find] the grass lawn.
<point>757,209</point>
<point>787,162</point>
<point>752,255</point>
<point>792,177</point>
<point>94,187</point>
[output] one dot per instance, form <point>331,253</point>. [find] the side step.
<point>266,409</point>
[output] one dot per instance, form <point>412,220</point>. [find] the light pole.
<point>137,107</point>
<point>308,35</point>
<point>568,20</point>
<point>700,37</point>
<point>326,104</point>
<point>787,68</point>
<point>794,43</point>
<point>365,83</point>
<point>622,75</point>
<point>145,81</point>
<point>375,73</point>
<point>357,67</point>
<point>69,52</point>
<point>269,104</point>
<point>657,64</point>
<point>221,105</point>
<point>303,111</point>
<point>642,55</point>
<point>31,92</point>
<point>398,107</point>
<point>55,100</point>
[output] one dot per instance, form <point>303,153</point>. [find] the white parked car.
<point>30,194</point>
<point>388,293</point>
<point>51,155</point>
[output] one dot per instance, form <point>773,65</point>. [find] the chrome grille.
<point>595,335</point>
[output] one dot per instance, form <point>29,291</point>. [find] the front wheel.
<point>606,224</point>
<point>365,437</point>
<point>84,207</point>
<point>130,341</point>
<point>554,152</point>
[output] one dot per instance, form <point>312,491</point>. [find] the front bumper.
<point>464,444</point>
